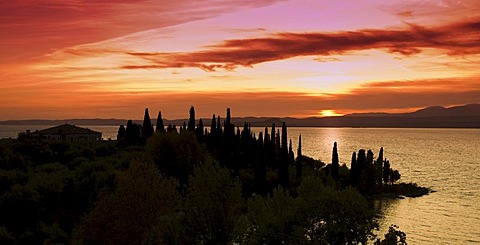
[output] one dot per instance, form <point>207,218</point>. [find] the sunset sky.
<point>299,58</point>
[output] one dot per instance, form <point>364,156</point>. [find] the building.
<point>67,132</point>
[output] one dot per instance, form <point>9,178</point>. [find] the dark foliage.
<point>187,186</point>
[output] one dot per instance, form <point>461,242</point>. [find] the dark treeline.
<point>266,154</point>
<point>187,184</point>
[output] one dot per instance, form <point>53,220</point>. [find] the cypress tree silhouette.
<point>291,156</point>
<point>378,169</point>
<point>386,172</point>
<point>284,138</point>
<point>335,164</point>
<point>228,120</point>
<point>283,161</point>
<point>199,130</point>
<point>191,120</point>
<point>213,125</point>
<point>277,145</point>
<point>354,170</point>
<point>272,135</point>
<point>229,128</point>
<point>147,129</point>
<point>362,165</point>
<point>219,126</point>
<point>260,174</point>
<point>160,128</point>
<point>266,138</point>
<point>298,165</point>
<point>369,174</point>
<point>121,132</point>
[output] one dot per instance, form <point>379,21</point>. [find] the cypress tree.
<point>266,137</point>
<point>362,165</point>
<point>291,156</point>
<point>260,174</point>
<point>369,174</point>
<point>228,120</point>
<point>354,170</point>
<point>199,130</point>
<point>283,161</point>
<point>160,128</point>
<point>386,172</point>
<point>229,128</point>
<point>284,139</point>
<point>191,120</point>
<point>147,129</point>
<point>274,141</point>
<point>361,161</point>
<point>277,144</point>
<point>298,165</point>
<point>213,125</point>
<point>219,126</point>
<point>335,164</point>
<point>379,168</point>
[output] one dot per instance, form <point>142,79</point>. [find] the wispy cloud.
<point>456,39</point>
<point>38,27</point>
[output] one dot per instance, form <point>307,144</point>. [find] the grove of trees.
<point>187,185</point>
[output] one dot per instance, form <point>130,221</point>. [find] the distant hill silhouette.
<point>466,116</point>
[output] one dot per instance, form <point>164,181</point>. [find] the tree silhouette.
<point>298,164</point>
<point>378,169</point>
<point>394,176</point>
<point>147,129</point>
<point>219,126</point>
<point>191,120</point>
<point>386,172</point>
<point>283,161</point>
<point>132,133</point>
<point>335,164</point>
<point>199,131</point>
<point>260,175</point>
<point>213,125</point>
<point>354,170</point>
<point>121,132</point>
<point>160,128</point>
<point>291,155</point>
<point>184,127</point>
<point>369,174</point>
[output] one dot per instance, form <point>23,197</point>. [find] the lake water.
<point>446,160</point>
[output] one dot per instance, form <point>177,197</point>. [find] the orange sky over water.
<point>299,58</point>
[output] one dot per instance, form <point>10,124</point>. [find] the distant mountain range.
<point>466,116</point>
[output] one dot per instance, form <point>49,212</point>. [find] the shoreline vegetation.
<point>187,184</point>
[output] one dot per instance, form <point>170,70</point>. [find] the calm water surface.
<point>446,160</point>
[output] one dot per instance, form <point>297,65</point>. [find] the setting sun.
<point>329,113</point>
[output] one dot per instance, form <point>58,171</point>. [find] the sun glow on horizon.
<point>329,113</point>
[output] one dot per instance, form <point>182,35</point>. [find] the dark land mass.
<point>466,116</point>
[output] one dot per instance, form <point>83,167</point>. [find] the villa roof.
<point>67,129</point>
